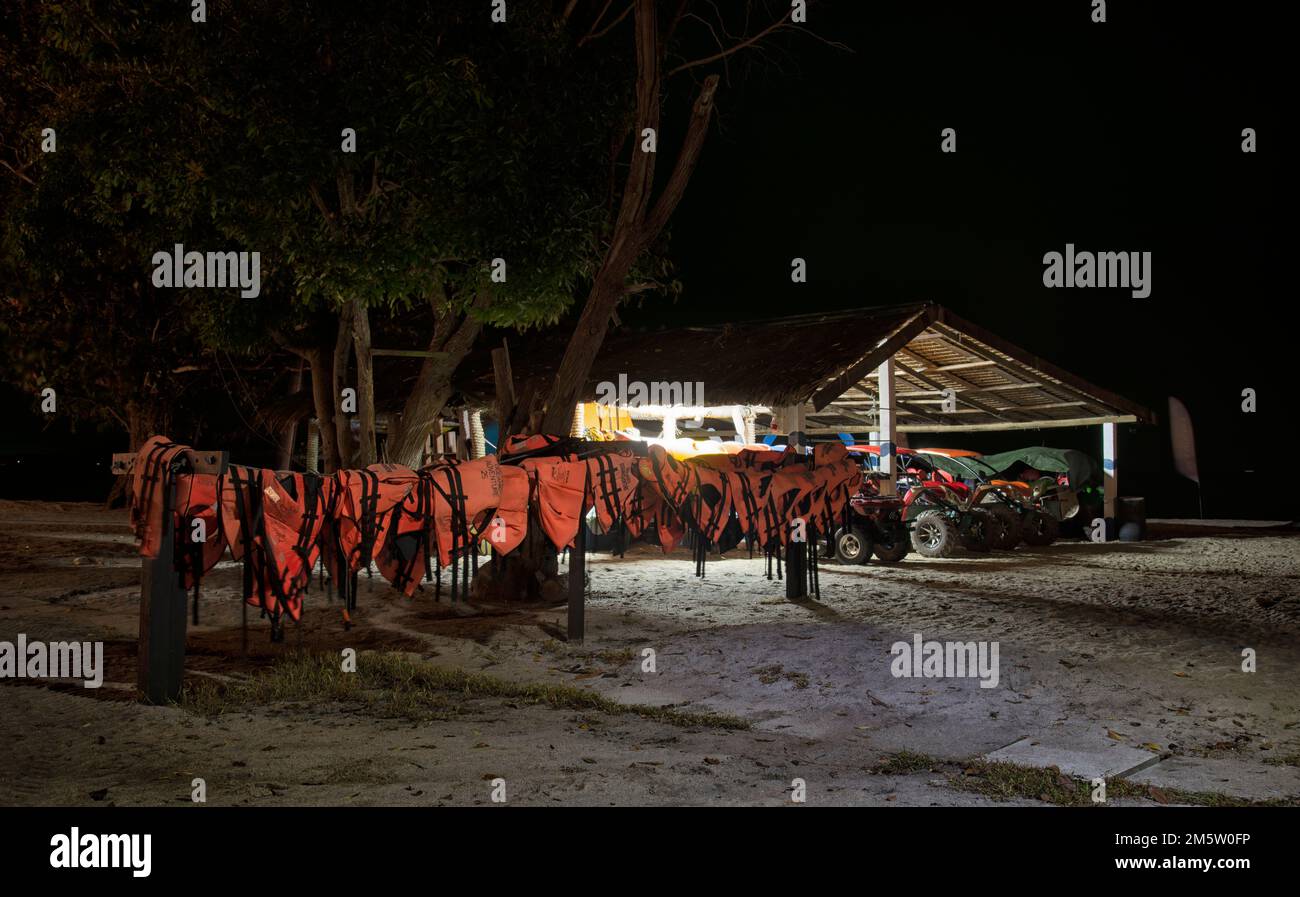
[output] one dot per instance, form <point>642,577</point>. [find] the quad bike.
<point>942,519</point>
<point>1019,511</point>
<point>876,527</point>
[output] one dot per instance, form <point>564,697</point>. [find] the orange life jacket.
<point>151,477</point>
<point>360,511</point>
<point>198,499</point>
<point>560,494</point>
<point>273,522</point>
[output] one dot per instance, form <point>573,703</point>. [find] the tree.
<point>78,312</point>
<point>479,148</point>
<point>471,156</point>
<point>641,216</point>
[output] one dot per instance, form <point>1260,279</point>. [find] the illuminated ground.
<point>1134,647</point>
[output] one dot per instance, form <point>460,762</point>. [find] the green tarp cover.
<point>962,468</point>
<point>1083,470</point>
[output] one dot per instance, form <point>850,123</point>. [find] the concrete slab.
<point>1085,759</point>
<point>1226,524</point>
<point>1249,780</point>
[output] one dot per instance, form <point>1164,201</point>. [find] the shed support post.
<point>888,417</point>
<point>577,628</point>
<point>1110,473</point>
<point>794,421</point>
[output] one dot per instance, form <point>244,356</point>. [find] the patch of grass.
<point>776,672</point>
<point>394,685</point>
<point>615,657</point>
<point>1010,781</point>
<point>906,763</point>
<point>1284,760</point>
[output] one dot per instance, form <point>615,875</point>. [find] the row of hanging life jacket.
<point>411,523</point>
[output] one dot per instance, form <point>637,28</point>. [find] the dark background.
<point>1122,136</point>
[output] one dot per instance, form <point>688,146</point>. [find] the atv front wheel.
<point>933,535</point>
<point>893,545</point>
<point>1006,527</point>
<point>977,530</point>
<point>1040,528</point>
<point>853,545</point>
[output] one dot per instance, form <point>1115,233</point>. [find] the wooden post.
<point>505,392</point>
<point>577,628</point>
<point>670,424</point>
<point>738,422</point>
<point>1110,474</point>
<point>161,665</point>
<point>793,420</point>
<point>887,425</point>
<point>796,574</point>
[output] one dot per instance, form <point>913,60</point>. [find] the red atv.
<point>945,515</point>
<point>876,527</point>
<point>1017,511</point>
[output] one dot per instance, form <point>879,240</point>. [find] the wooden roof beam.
<point>1037,425</point>
<point>857,372</point>
<point>1021,370</point>
<point>961,326</point>
<point>988,409</point>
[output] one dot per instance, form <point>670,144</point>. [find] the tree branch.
<point>592,34</point>
<point>749,41</point>
<point>692,144</point>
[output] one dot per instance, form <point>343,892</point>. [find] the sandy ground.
<point>1102,647</point>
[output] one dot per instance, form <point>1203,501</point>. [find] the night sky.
<point>1123,136</point>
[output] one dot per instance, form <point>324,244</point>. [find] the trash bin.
<point>1131,510</point>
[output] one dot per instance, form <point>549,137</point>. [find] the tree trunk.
<point>284,456</point>
<point>144,419</point>
<point>366,453</point>
<point>584,345</point>
<point>321,363</point>
<point>339,380</point>
<point>638,223</point>
<point>406,436</point>
<point>450,343</point>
